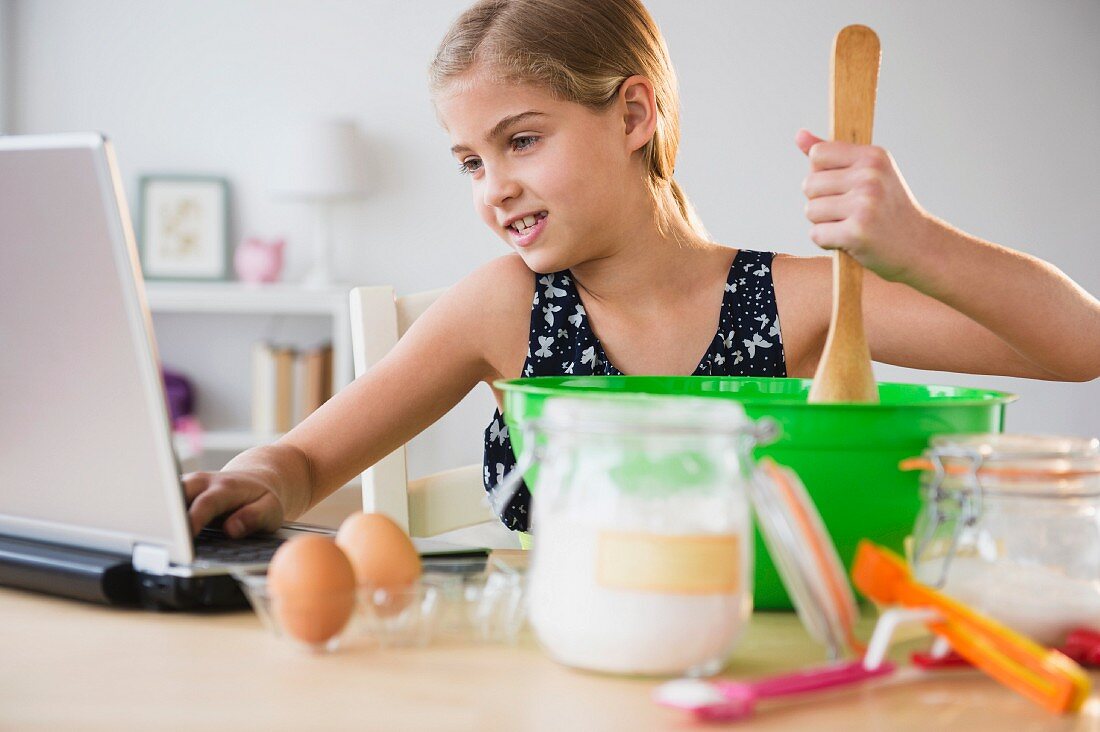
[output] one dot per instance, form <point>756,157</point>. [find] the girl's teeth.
<point>526,222</point>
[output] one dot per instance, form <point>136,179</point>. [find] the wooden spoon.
<point>844,372</point>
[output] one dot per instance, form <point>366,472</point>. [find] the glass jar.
<point>642,558</point>
<point>1010,526</point>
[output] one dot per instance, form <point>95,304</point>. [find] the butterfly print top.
<point>748,343</point>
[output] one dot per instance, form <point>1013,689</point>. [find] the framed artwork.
<point>184,227</point>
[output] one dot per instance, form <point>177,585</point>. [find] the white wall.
<point>7,34</point>
<point>990,107</point>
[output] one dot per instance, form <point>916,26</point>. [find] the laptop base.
<point>210,592</point>
<point>109,579</point>
<point>82,574</point>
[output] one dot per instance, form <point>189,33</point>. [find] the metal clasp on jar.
<point>969,497</point>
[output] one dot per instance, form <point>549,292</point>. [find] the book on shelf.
<point>312,380</point>
<point>284,388</point>
<point>288,384</point>
<point>263,387</point>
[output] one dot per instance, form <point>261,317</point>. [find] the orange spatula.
<point>844,371</point>
<point>1045,676</point>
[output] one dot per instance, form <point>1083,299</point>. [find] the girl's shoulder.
<point>803,297</point>
<point>493,303</point>
<point>805,271</point>
<point>505,277</point>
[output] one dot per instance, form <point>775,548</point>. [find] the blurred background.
<point>990,107</point>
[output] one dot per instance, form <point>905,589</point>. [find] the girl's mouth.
<point>527,236</point>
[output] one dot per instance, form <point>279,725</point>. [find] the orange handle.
<point>1043,675</point>
<point>922,463</point>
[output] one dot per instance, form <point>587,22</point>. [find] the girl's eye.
<point>466,166</point>
<point>522,143</point>
<point>472,165</point>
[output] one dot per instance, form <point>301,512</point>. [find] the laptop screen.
<point>85,448</point>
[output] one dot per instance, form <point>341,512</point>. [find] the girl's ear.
<point>639,107</point>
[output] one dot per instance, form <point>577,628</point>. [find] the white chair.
<point>438,503</point>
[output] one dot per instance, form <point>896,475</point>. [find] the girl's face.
<point>550,178</point>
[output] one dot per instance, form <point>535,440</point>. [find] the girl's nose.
<point>499,187</point>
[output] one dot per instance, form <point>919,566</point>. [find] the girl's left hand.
<point>858,202</point>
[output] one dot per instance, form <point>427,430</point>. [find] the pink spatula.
<point>724,701</point>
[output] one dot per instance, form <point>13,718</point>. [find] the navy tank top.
<point>748,343</point>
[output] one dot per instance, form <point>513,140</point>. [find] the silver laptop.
<point>91,504</point>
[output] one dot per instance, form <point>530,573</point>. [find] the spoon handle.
<point>844,372</point>
<point>805,681</point>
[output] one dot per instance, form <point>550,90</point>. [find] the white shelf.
<point>236,439</point>
<point>230,441</point>
<point>274,299</point>
<point>204,299</point>
<point>225,440</point>
<point>235,297</point>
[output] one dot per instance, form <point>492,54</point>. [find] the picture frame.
<point>183,228</point>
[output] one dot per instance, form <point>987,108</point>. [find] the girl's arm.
<point>977,307</point>
<point>455,344</point>
<point>942,299</point>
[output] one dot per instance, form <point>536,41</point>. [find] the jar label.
<point>699,564</point>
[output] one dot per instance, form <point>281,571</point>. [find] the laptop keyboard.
<point>212,545</point>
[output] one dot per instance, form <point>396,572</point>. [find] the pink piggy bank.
<point>258,261</point>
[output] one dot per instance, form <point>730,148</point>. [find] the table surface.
<point>75,666</point>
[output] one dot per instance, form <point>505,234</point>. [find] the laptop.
<point>91,503</point>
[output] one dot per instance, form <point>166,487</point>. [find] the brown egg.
<point>382,555</point>
<point>312,588</point>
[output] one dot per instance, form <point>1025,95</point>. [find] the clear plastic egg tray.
<point>457,601</point>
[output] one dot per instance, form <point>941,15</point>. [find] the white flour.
<point>1041,602</point>
<point>583,624</point>
<point>660,492</point>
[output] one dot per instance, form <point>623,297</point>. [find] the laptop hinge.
<point>150,558</point>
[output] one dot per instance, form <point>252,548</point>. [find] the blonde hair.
<point>581,51</point>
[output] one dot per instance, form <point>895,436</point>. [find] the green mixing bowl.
<point>846,454</point>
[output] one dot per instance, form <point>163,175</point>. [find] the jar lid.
<point>806,558</point>
<point>1010,458</point>
<point>643,413</point>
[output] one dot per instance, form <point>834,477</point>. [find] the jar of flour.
<point>1011,527</point>
<point>642,560</point>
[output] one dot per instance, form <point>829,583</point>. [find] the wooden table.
<point>73,666</point>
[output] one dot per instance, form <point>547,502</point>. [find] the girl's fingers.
<point>263,514</point>
<point>211,503</point>
<point>805,140</point>
<point>831,235</point>
<point>829,155</point>
<point>828,208</point>
<point>194,484</point>
<point>830,182</point>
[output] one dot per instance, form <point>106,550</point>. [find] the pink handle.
<point>802,681</point>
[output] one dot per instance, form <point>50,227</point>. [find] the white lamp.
<point>324,167</point>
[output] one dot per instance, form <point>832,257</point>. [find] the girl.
<point>564,114</point>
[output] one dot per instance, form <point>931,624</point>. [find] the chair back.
<point>428,506</point>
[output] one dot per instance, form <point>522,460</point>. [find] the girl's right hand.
<point>860,203</point>
<point>244,497</point>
